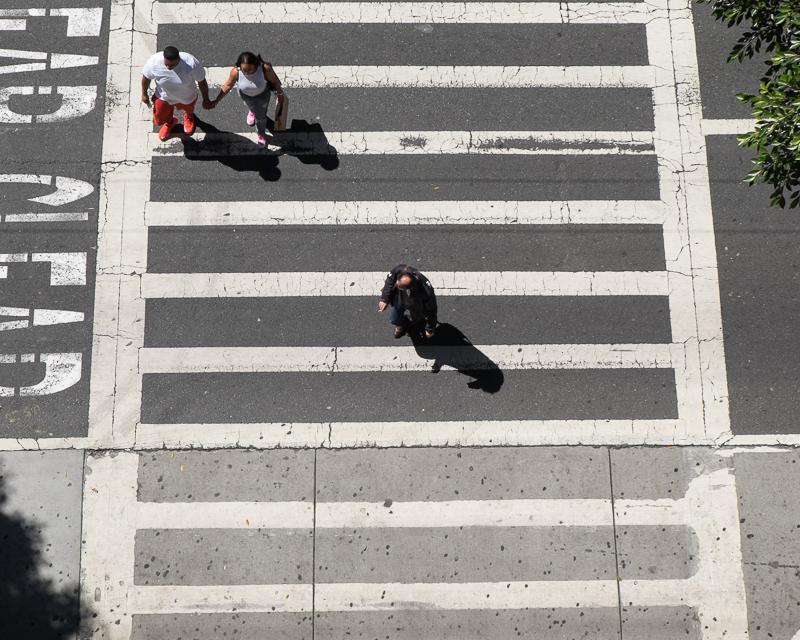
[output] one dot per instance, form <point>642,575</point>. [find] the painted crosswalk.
<point>396,212</point>
<point>594,230</point>
<point>421,142</point>
<point>460,76</point>
<point>317,541</point>
<point>333,359</point>
<point>402,12</point>
<point>479,283</point>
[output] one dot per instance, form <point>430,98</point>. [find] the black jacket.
<point>421,301</point>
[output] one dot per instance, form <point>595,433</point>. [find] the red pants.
<point>163,110</point>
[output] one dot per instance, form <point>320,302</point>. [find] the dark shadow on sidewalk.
<point>450,347</point>
<point>31,606</point>
<point>303,140</point>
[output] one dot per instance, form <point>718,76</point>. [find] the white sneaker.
<point>251,118</point>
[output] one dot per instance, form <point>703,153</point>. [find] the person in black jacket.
<point>411,298</point>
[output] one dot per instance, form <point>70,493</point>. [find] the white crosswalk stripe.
<point>300,77</point>
<point>333,359</point>
<point>404,12</point>
<point>387,212</point>
<point>411,434</point>
<point>422,142</point>
<point>335,515</point>
<point>462,283</point>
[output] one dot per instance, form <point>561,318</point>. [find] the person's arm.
<point>145,88</point>
<point>203,86</point>
<point>386,292</point>
<point>274,80</point>
<point>199,76</point>
<point>225,89</point>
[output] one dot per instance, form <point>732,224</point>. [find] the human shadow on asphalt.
<point>31,605</point>
<point>452,348</point>
<point>305,141</point>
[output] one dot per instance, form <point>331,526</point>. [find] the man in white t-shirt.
<point>177,75</point>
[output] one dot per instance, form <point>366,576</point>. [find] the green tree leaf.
<point>775,26</point>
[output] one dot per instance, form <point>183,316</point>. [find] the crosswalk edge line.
<point>461,283</point>
<point>394,212</point>
<point>184,360</point>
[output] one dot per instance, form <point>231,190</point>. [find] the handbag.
<point>281,113</point>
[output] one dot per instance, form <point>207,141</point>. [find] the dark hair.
<point>248,57</point>
<point>171,53</point>
<point>407,272</point>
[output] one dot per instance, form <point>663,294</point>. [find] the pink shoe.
<point>262,140</point>
<point>251,119</point>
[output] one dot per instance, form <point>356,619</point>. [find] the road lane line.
<point>402,12</point>
<point>107,544</point>
<point>710,374</point>
<point>455,76</point>
<point>710,507</point>
<point>64,216</point>
<point>177,599</point>
<point>466,513</point>
<point>224,515</point>
<point>118,330</point>
<point>763,440</point>
<point>181,360</point>
<point>338,515</point>
<point>412,434</point>
<point>43,444</point>
<point>395,434</point>
<point>688,229</point>
<point>726,126</point>
<point>446,283</point>
<point>412,142</point>
<point>432,212</point>
<point>476,595</point>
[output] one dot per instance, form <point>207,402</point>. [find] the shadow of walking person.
<point>232,150</point>
<point>307,142</point>
<point>31,606</point>
<point>450,347</point>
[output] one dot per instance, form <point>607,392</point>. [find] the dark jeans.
<point>402,318</point>
<point>259,105</point>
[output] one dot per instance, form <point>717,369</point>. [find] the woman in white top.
<point>254,80</point>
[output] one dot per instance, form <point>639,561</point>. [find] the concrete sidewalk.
<point>404,543</point>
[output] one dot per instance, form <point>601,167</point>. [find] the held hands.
<point>210,104</point>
